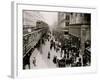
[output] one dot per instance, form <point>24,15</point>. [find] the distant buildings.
<point>63,19</point>
<point>63,23</point>
<point>78,22</point>
<point>31,17</point>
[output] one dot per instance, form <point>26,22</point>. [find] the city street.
<point>56,39</point>
<point>42,60</point>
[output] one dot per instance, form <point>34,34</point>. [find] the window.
<point>38,22</point>
<point>82,15</point>
<point>67,17</point>
<point>71,13</point>
<point>66,32</point>
<point>66,23</point>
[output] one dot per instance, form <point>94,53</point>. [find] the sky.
<point>30,17</point>
<point>50,17</point>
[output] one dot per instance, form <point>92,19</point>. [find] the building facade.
<point>80,27</point>
<point>63,23</point>
<point>76,27</point>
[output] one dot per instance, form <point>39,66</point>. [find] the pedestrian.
<point>51,44</point>
<point>55,59</point>
<point>54,45</point>
<point>61,53</point>
<point>49,55</point>
<point>65,51</point>
<point>79,63</point>
<point>34,61</point>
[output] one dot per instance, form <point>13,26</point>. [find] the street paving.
<point>42,60</point>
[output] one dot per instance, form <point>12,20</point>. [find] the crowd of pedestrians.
<point>70,56</point>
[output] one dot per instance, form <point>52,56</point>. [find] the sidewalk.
<point>39,61</point>
<point>46,49</point>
